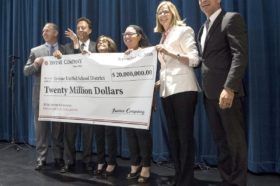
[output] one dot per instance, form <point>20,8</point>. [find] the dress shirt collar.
<point>214,16</point>
<point>50,45</point>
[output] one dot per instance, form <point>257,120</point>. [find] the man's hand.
<point>86,52</point>
<point>57,54</point>
<point>71,34</point>
<point>38,61</point>
<point>226,98</point>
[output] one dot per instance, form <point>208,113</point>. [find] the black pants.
<point>228,127</point>
<point>109,134</point>
<point>57,140</point>
<point>140,146</point>
<point>179,111</point>
<point>70,134</point>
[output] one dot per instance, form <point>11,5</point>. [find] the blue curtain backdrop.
<point>21,24</point>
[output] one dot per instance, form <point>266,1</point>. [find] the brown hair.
<point>112,47</point>
<point>86,20</point>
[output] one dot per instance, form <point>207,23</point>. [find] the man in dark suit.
<point>81,44</point>
<point>223,47</point>
<point>33,67</point>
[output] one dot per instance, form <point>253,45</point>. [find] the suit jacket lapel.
<point>61,49</point>
<point>91,46</point>
<point>217,22</point>
<point>198,39</point>
<point>45,51</point>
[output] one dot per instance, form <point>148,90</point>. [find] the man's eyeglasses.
<point>128,34</point>
<point>164,12</point>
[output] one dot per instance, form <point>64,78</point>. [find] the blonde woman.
<point>178,87</point>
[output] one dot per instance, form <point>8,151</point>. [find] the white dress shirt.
<point>212,18</point>
<point>55,47</point>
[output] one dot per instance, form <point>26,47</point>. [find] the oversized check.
<point>114,89</point>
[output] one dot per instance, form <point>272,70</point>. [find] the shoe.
<point>67,168</point>
<point>135,174</point>
<point>99,172</point>
<point>143,179</point>
<point>110,173</point>
<point>58,163</point>
<point>40,165</point>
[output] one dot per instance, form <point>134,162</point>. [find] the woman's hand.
<point>182,58</point>
<point>162,49</point>
<point>128,51</point>
<point>157,85</point>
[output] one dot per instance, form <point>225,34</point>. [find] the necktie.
<point>82,46</point>
<point>207,24</point>
<point>204,34</point>
<point>51,50</point>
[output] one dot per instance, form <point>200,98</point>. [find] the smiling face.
<point>103,46</point>
<point>131,38</point>
<point>83,31</point>
<point>164,16</point>
<point>209,6</point>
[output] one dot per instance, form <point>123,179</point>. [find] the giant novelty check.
<point>114,89</point>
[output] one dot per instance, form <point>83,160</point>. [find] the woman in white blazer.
<point>178,87</point>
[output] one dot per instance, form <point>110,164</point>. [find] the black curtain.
<point>21,25</point>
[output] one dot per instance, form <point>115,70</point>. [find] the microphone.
<point>14,57</point>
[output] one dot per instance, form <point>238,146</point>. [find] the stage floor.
<point>17,169</point>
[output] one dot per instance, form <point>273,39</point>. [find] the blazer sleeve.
<point>30,68</point>
<point>237,39</point>
<point>69,49</point>
<point>188,45</point>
